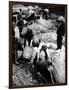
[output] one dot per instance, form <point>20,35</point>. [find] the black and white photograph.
<point>37,44</point>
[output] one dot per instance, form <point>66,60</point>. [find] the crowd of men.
<point>29,48</point>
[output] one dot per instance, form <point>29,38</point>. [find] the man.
<point>41,53</point>
<point>60,32</point>
<point>31,19</point>
<point>20,23</point>
<point>41,62</point>
<point>17,45</point>
<point>26,55</point>
<point>28,37</point>
<point>46,13</point>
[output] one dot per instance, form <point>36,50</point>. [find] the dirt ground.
<point>26,74</point>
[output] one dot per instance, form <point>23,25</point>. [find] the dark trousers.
<point>29,41</point>
<point>44,72</point>
<point>59,41</point>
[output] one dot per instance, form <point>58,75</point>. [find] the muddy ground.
<point>25,74</point>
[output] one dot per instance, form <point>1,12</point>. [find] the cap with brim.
<point>61,18</point>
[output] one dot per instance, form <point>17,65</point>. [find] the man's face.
<point>58,22</point>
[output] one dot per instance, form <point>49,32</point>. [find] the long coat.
<point>61,29</point>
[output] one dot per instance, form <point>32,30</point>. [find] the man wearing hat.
<point>60,32</point>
